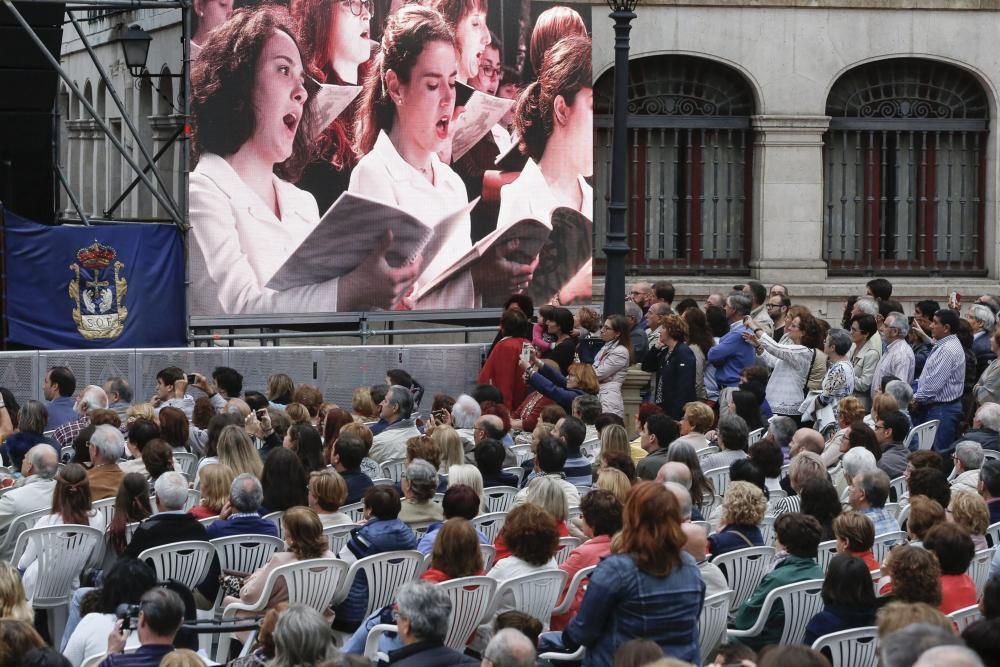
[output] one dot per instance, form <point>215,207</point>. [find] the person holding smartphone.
<point>501,368</point>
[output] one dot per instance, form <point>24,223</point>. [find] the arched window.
<point>690,149</point>
<point>905,169</point>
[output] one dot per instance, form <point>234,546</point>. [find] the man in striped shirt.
<point>898,358</point>
<point>939,390</point>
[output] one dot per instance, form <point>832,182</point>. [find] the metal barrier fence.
<point>336,370</point>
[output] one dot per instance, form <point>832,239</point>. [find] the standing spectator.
<point>612,362</point>
<point>700,340</point>
<point>501,368</point>
<point>757,294</point>
<point>636,323</point>
<point>982,320</point>
<point>790,363</point>
<point>675,367</point>
<point>559,327</point>
<point>939,390</point>
<point>898,359</point>
<point>649,587</point>
<point>838,383</point>
<point>865,354</point>
<point>654,321</point>
<point>732,353</point>
<point>777,306</point>
<point>923,312</point>
<point>987,387</point>
<point>800,536</point>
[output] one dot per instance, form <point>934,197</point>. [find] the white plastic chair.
<point>904,514</point>
<point>244,554</point>
<point>714,613</point>
<point>312,582</point>
<point>993,534</point>
<point>489,553</point>
<point>744,569</point>
<point>63,551</point>
<point>893,509</point>
<point>923,434</point>
<point>523,453</point>
<point>884,542</point>
<point>800,602</point>
<point>339,535</point>
<point>767,529</point>
<point>490,524</point>
<point>591,449</point>
<point>355,510</point>
<point>990,455</point>
<point>963,618</point>
<point>385,573</point>
<point>383,481</point>
<point>106,507</point>
<point>578,581</point>
<point>566,545</point>
<point>719,477</point>
<point>499,498</point>
<point>275,518</point>
<point>857,647</point>
<point>208,520</point>
<point>393,469</point>
<point>898,485</point>
<point>755,435</point>
<point>827,550</point>
<point>979,569</point>
<point>576,656</point>
<point>535,594</point>
<point>187,562</point>
<point>20,524</point>
<point>518,472</point>
<point>188,463</point>
<point>705,451</point>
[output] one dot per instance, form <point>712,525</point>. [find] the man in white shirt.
<point>757,294</point>
<point>898,360</point>
<point>39,469</point>
<point>396,408</point>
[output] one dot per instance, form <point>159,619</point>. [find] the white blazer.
<point>237,244</point>
<point>529,196</point>
<point>384,175</point>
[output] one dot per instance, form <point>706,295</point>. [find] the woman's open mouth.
<point>291,122</point>
<point>442,127</point>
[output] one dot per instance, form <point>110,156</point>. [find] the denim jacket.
<point>622,603</point>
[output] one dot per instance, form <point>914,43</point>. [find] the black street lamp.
<point>616,244</point>
<point>135,47</point>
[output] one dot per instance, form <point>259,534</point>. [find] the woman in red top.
<point>546,493</point>
<point>501,369</point>
<point>455,554</point>
<point>955,551</point>
<point>855,535</point>
<point>602,518</point>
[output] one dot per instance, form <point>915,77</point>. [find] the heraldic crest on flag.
<point>98,292</point>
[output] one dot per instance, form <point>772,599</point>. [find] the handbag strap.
<point>805,387</point>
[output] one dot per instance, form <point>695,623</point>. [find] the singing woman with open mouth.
<point>467,19</point>
<point>250,108</point>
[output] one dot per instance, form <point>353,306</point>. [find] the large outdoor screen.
<point>358,155</point>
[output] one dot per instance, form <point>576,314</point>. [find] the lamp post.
<point>135,47</point>
<point>616,245</point>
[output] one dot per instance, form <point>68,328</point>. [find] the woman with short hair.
<point>971,512</point>
<point>31,423</point>
<point>855,536</point>
<point>532,535</point>
<point>743,509</point>
<point>649,587</point>
<point>419,483</point>
<point>848,599</point>
<point>327,493</point>
<point>955,551</point>
<point>866,350</point>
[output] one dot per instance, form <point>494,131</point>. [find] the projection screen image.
<point>358,155</point>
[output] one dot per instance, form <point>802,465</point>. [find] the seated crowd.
<point>775,462</point>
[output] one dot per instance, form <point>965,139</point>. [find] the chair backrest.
<point>566,545</point>
<point>471,599</point>
<point>313,582</point>
<point>106,507</point>
<point>979,569</point>
<point>339,535</point>
<point>62,550</point>
<point>187,562</point>
<point>744,569</point>
<point>904,514</point>
<point>965,617</point>
<point>188,463</point>
<point>517,471</point>
<point>208,520</point>
<point>499,498</point>
<point>719,477</point>
<point>993,534</point>
<point>714,614</point>
<point>827,550</point>
<point>489,553</point>
<point>898,488</point>
<point>857,647</point>
<point>535,594</point>
<point>884,542</point>
<point>393,469</point>
<point>991,455</point>
<point>385,573</point>
<point>355,510</point>
<point>523,453</point>
<point>767,529</point>
<point>194,497</point>
<point>755,435</point>
<point>490,524</point>
<point>893,509</point>
<point>275,518</point>
<point>245,554</point>
<point>800,601</point>
<point>383,481</point>
<point>706,450</point>
<point>419,528</point>
<point>20,524</point>
<point>924,435</point>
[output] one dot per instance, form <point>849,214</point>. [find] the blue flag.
<point>103,286</point>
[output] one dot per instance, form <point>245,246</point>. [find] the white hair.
<point>510,648</point>
<point>867,305</point>
<point>901,391</point>
<point>109,442</point>
<point>948,656</point>
<point>468,475</point>
<point>898,322</point>
<point>94,397</point>
<point>171,491</point>
<point>984,315</point>
<point>465,412</point>
<point>683,498</point>
<point>989,415</point>
<point>858,460</point>
<point>969,454</point>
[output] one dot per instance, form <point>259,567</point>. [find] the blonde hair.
<point>237,451</point>
<point>329,489</point>
<point>614,439</point>
<point>362,431</point>
<point>215,480</point>
<point>141,411</point>
<point>744,503</point>
<point>897,615</point>
<point>615,481</point>
<point>362,403</point>
<point>181,657</point>
<point>298,413</point>
<point>542,429</point>
<point>449,446</point>
<point>13,603</point>
<point>970,511</point>
<point>470,476</point>
<point>883,403</point>
<point>546,493</point>
<point>699,416</point>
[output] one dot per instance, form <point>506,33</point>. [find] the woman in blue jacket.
<point>675,367</point>
<point>550,383</point>
<point>848,599</point>
<point>649,587</point>
<point>382,532</point>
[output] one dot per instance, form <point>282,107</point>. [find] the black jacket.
<point>428,654</point>
<point>161,529</point>
<point>675,376</point>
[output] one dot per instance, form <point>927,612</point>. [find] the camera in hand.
<point>192,378</point>
<point>129,615</point>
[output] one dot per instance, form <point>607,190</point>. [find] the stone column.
<point>788,199</point>
<point>71,167</point>
<point>636,380</point>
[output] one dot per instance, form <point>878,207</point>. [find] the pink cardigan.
<point>253,587</point>
<point>587,554</point>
